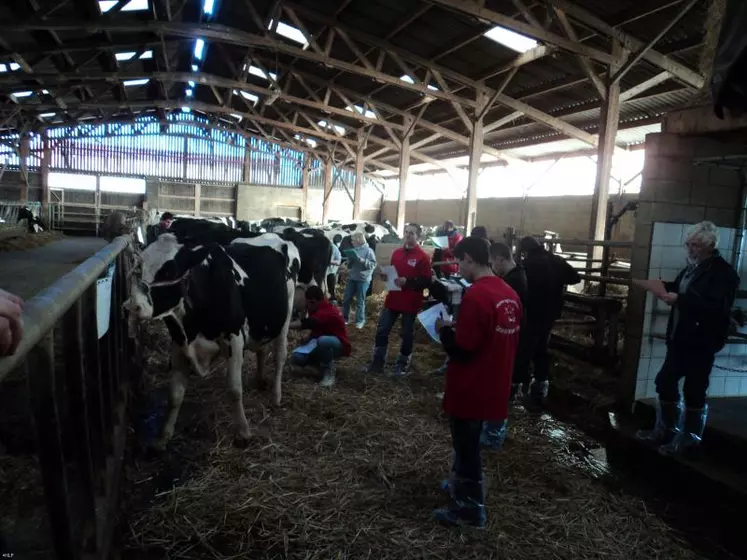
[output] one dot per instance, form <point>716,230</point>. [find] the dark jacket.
<point>547,277</point>
<point>517,279</point>
<point>704,309</point>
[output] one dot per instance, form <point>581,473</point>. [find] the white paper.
<point>140,237</point>
<point>441,242</point>
<point>307,348</point>
<point>429,317</point>
<point>104,301</point>
<point>391,276</point>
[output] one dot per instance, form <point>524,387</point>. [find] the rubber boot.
<point>517,393</point>
<point>467,507</point>
<point>691,435</point>
<point>376,365</point>
<point>328,374</point>
<point>538,391</point>
<point>668,424</point>
<point>493,435</point>
<point>401,366</point>
<point>447,485</point>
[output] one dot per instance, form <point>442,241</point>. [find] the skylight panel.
<point>47,115</point>
<point>246,95</point>
<point>310,141</point>
<point>124,55</point>
<point>135,5</point>
<point>146,54</point>
<point>237,116</point>
<point>3,68</point>
<point>138,82</point>
<point>189,92</point>
<point>45,91</point>
<point>20,94</point>
<point>337,128</point>
<point>195,68</point>
<point>511,39</point>
<point>208,6</point>
<point>199,46</point>
<point>360,110</point>
<point>409,80</point>
<point>186,109</point>
<point>191,83</point>
<point>14,66</point>
<point>290,32</point>
<point>106,5</point>
<point>256,71</point>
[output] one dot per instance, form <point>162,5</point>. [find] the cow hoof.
<point>241,442</point>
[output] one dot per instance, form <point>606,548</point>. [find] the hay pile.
<point>353,473</point>
<point>29,241</point>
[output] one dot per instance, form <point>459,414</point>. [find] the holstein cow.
<point>218,299</point>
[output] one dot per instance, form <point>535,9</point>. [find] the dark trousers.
<point>694,364</point>
<point>533,342</point>
<point>331,286</point>
<point>386,322</point>
<point>465,438</point>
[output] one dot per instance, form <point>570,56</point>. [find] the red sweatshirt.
<point>328,321</point>
<point>482,350</point>
<point>414,265</point>
<point>448,254</point>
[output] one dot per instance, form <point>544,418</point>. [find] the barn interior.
<point>587,124</point>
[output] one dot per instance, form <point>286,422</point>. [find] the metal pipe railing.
<point>77,379</point>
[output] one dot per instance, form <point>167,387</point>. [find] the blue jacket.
<point>361,269</point>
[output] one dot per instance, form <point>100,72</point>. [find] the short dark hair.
<point>314,293</point>
<point>337,238</point>
<point>476,247</point>
<point>418,229</point>
<point>167,216</point>
<point>479,231</point>
<point>528,243</point>
<point>501,250</point>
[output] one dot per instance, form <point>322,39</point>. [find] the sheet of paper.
<point>391,276</point>
<point>656,287</point>
<point>307,348</point>
<point>440,242</point>
<point>140,237</point>
<point>429,317</point>
<point>104,301</point>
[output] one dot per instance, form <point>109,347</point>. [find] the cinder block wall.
<point>674,190</point>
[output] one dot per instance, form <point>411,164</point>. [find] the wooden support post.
<point>198,191</point>
<point>359,161</point>
<point>329,167</point>
<point>475,155</point>
<point>25,148</point>
<point>247,175</point>
<point>404,166</point>
<point>608,130</point>
<point>45,161</point>
<point>305,187</point>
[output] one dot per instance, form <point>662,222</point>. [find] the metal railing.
<point>75,363</point>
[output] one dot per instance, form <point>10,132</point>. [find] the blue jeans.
<point>386,322</point>
<point>355,289</point>
<point>328,348</point>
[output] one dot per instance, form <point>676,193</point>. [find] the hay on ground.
<point>29,241</point>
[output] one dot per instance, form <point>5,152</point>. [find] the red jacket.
<point>448,254</point>
<point>328,321</point>
<point>482,349</point>
<point>414,265</point>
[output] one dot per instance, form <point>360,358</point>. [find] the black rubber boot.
<point>467,506</point>
<point>378,359</point>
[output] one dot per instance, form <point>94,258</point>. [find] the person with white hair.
<point>701,298</point>
<point>361,264</point>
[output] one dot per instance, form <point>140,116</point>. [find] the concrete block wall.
<point>677,191</point>
<point>11,182</point>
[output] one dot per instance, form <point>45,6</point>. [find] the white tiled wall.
<point>666,261</point>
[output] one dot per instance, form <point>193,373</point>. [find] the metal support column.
<point>404,166</point>
<point>606,149</point>
<point>305,187</point>
<point>25,148</point>
<point>475,155</point>
<point>45,161</point>
<point>329,167</point>
<point>359,161</point>
<point>247,174</point>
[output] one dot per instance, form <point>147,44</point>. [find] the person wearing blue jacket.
<point>361,264</point>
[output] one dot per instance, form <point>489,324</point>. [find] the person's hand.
<point>670,298</point>
<point>11,324</point>
<point>400,282</point>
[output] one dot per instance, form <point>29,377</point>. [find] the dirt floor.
<point>354,473</point>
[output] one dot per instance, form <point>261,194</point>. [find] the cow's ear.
<point>190,257</point>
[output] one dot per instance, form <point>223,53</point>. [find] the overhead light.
<point>195,68</point>
<point>188,93</point>
<point>208,6</point>
<point>511,39</point>
<point>290,32</point>
<point>47,115</point>
<point>199,45</point>
<point>22,94</point>
<point>256,71</point>
<point>139,82</point>
<point>191,83</point>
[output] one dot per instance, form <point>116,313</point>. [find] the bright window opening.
<point>409,80</point>
<point>186,109</point>
<point>310,141</point>
<point>191,83</point>
<point>47,115</point>
<point>9,67</point>
<point>290,32</point>
<point>139,82</point>
<point>195,68</point>
<point>237,117</point>
<point>199,46</point>
<point>208,6</point>
<point>336,127</point>
<point>129,55</point>
<point>189,93</point>
<point>256,71</point>
<point>106,5</point>
<point>72,181</point>
<point>20,94</point>
<point>3,68</point>
<point>45,92</point>
<point>360,110</point>
<point>511,39</point>
<point>246,95</point>
<point>135,6</point>
<point>124,185</point>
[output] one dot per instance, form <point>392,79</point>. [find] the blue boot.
<point>493,435</point>
<point>690,436</point>
<point>467,508</point>
<point>668,424</point>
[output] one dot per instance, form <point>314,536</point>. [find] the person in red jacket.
<point>413,276</point>
<point>329,331</point>
<point>482,348</point>
<point>450,231</point>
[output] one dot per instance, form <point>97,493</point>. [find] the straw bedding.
<point>353,473</point>
<point>29,241</point>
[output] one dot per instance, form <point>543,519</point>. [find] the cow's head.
<point>158,280</point>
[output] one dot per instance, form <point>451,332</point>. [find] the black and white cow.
<point>33,223</point>
<point>217,299</point>
<point>316,253</point>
